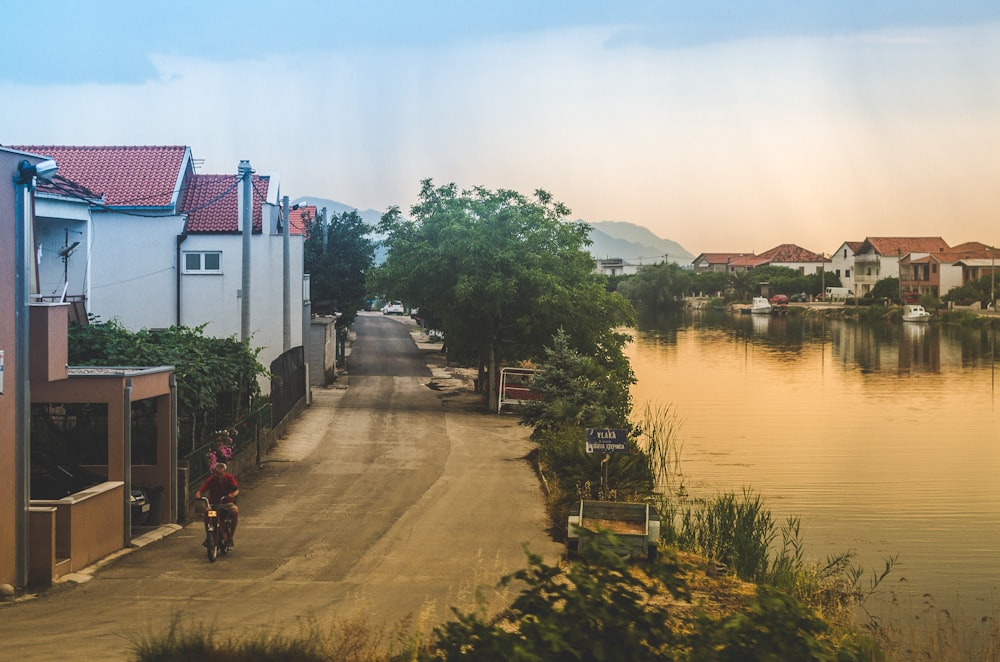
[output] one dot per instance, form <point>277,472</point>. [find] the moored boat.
<point>760,306</point>
<point>915,313</point>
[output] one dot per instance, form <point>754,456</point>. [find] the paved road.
<point>387,499</point>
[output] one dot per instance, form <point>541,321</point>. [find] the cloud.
<point>730,146</point>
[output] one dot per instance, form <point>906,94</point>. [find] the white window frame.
<point>201,261</point>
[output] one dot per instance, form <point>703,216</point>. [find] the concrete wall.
<point>88,527</point>
<point>321,351</point>
<point>133,269</point>
<point>212,298</point>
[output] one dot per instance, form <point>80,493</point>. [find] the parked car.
<point>801,297</point>
<point>393,308</point>
<point>779,300</point>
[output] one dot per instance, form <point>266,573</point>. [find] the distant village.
<point>923,265</point>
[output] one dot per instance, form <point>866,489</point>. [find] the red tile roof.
<point>890,246</point>
<point>212,202</point>
<point>747,261</point>
<point>300,219</point>
<point>790,254</point>
<point>132,176</point>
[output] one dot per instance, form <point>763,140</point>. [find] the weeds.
<point>350,641</point>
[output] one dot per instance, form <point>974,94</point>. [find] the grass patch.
<point>350,641</point>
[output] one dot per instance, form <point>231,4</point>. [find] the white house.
<point>842,263</point>
<point>134,234</point>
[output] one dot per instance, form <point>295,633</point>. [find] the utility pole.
<point>286,280</point>
<point>822,276</point>
<point>246,174</point>
<point>324,227</point>
<point>993,278</point>
<point>899,272</point>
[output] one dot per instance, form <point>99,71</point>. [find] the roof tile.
<point>212,203</point>
<point>126,176</point>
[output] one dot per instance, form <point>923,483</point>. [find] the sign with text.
<point>607,440</point>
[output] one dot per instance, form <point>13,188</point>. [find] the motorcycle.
<point>218,529</point>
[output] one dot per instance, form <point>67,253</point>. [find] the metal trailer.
<point>635,526</point>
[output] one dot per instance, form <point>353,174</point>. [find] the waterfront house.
<point>880,257</point>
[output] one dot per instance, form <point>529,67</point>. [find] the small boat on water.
<point>915,313</point>
<point>760,306</point>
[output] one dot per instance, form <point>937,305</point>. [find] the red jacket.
<point>217,487</point>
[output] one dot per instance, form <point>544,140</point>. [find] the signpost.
<point>606,440</point>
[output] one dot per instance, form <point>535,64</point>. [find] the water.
<point>884,438</point>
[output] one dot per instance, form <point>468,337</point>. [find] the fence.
<point>288,382</point>
<point>248,435</point>
<point>515,387</point>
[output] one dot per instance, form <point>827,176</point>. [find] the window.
<point>203,262</point>
<point>69,433</point>
<point>847,273</point>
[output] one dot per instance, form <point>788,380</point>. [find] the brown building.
<point>43,539</point>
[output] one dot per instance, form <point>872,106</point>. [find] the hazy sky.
<point>725,126</point>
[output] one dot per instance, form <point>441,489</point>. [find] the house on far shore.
<point>842,263</point>
<point>723,262</point>
<point>783,255</point>
<point>615,266</point>
<point>794,257</point>
<point>880,257</point>
<point>937,273</point>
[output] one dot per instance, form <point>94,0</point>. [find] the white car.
<point>393,308</point>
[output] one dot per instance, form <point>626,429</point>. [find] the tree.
<point>216,377</point>
<point>743,284</point>
<point>500,273</point>
<point>886,288</point>
<point>709,283</point>
<point>338,256</point>
<point>657,288</point>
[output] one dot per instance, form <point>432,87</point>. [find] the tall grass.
<point>349,641</point>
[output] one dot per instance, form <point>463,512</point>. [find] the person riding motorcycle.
<point>219,485</point>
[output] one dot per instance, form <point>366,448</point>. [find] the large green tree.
<point>500,273</point>
<point>657,288</point>
<point>339,253</point>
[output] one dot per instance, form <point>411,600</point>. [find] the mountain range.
<point>611,239</point>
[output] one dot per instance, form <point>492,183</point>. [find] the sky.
<point>723,125</point>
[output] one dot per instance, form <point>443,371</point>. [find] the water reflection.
<point>882,436</point>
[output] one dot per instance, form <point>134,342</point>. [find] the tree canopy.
<point>216,377</point>
<point>500,273</point>
<point>338,256</point>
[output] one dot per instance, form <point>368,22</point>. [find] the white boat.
<point>760,306</point>
<point>915,313</point>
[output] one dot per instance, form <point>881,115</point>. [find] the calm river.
<point>884,439</point>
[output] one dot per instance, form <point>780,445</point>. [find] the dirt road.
<point>393,497</point>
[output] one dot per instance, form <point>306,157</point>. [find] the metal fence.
<point>248,435</point>
<point>288,382</point>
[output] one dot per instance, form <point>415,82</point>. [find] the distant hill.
<point>370,216</point>
<point>611,239</point>
<point>632,243</point>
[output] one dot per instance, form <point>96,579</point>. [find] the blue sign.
<point>607,440</point>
